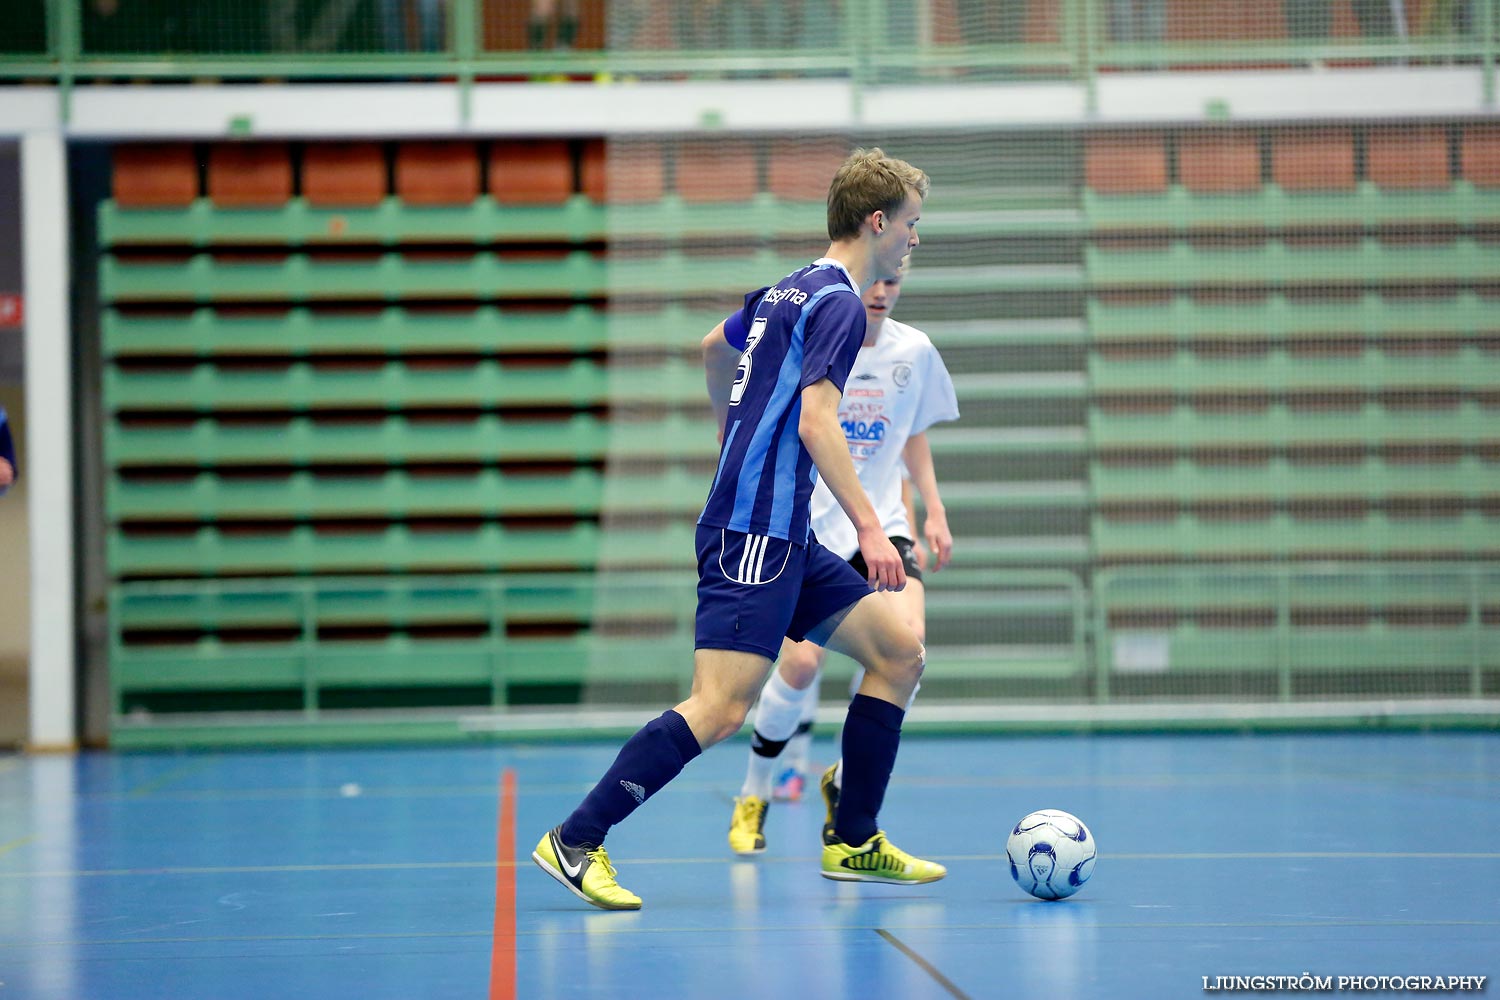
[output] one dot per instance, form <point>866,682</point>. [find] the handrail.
<point>305,594</point>
<point>1282,576</point>
<point>299,600</point>
<point>1061,579</point>
<point>1079,55</point>
<point>261,586</point>
<point>1273,585</point>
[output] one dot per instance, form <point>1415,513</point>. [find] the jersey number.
<point>742,373</point>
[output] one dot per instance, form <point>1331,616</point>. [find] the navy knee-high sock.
<point>655,755</point>
<point>872,732</point>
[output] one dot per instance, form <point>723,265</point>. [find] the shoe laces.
<point>911,861</point>
<point>751,810</point>
<point>882,844</point>
<point>600,857</point>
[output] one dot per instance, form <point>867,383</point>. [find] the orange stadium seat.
<point>1215,161</point>
<point>1195,21</point>
<point>717,170</point>
<point>800,169</point>
<point>158,176</point>
<point>1481,155</point>
<point>623,171</point>
<point>1313,159</point>
<point>592,170</point>
<point>538,172</point>
<point>943,16</point>
<point>437,173</point>
<point>504,23</point>
<point>1407,157</point>
<point>652,27</point>
<point>249,174</point>
<point>1043,24</point>
<point>1125,163</point>
<point>344,173</point>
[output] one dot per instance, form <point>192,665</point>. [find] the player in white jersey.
<point>897,389</point>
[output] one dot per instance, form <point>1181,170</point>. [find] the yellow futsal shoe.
<point>748,824</point>
<point>586,872</point>
<point>877,860</point>
<point>830,801</point>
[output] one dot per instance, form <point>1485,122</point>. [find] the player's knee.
<point>728,718</point>
<point>918,662</point>
<point>715,715</point>
<point>905,662</point>
<point>799,667</point>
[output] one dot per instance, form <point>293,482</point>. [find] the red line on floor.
<point>503,944</point>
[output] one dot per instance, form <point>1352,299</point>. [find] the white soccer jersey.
<point>898,387</point>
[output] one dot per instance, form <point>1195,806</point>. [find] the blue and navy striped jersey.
<point>804,329</point>
<point>7,447</point>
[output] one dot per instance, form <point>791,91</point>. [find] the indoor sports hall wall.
<point>421,423</point>
<point>404,437</point>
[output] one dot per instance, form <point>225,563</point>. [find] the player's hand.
<point>885,569</point>
<point>939,539</point>
<point>7,474</point>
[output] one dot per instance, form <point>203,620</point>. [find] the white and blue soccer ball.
<point>1051,854</point>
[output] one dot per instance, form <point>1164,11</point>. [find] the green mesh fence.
<point>1228,405</point>
<point>870,41</point>
<point>422,425</point>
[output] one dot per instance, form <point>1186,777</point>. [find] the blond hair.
<point>869,181</point>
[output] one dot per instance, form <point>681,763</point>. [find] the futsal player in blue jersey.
<point>7,454</point>
<point>762,576</point>
<point>898,388</point>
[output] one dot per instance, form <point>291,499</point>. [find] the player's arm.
<point>721,360</point>
<point>823,437</point>
<point>917,454</point>
<point>908,503</point>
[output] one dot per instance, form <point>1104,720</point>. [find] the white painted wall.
<point>437,109</point>
<point>48,444</point>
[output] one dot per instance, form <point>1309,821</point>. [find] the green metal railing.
<point>867,42</point>
<point>1285,622</point>
<point>294,612</point>
<point>1294,619</point>
<point>302,636</point>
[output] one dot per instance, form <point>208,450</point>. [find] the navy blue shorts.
<point>753,590</point>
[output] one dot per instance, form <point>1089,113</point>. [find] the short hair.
<point>869,181</point>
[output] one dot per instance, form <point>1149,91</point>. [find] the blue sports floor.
<point>371,874</point>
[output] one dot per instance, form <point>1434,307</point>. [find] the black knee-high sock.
<point>872,733</point>
<point>655,755</point>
